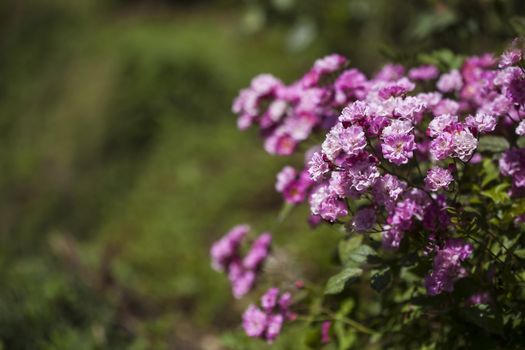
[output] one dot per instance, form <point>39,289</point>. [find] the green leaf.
<point>444,59</point>
<point>381,279</point>
<point>498,194</point>
<point>520,142</point>
<point>346,308</point>
<point>490,172</point>
<point>346,247</point>
<point>353,253</point>
<point>312,338</point>
<point>345,337</point>
<point>336,284</point>
<point>493,144</point>
<point>472,211</point>
<point>520,253</point>
<point>360,255</point>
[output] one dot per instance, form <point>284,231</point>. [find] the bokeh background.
<point>120,161</point>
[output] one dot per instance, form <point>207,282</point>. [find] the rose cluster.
<point>242,271</point>
<point>266,322</point>
<point>287,114</point>
<point>447,266</point>
<point>512,163</point>
<point>395,149</point>
<point>394,120</point>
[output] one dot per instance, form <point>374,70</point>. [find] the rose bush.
<point>423,172</point>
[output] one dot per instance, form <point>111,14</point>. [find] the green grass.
<point>122,163</point>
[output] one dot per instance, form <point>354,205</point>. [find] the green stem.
<point>331,317</point>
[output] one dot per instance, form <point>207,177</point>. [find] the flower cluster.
<point>293,185</point>
<point>242,271</point>
<point>391,122</point>
<point>287,114</point>
<point>512,163</point>
<point>266,322</point>
<point>403,160</point>
<point>447,266</point>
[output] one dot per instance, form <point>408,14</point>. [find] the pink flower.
<point>377,124</point>
<point>427,72</point>
<point>285,177</point>
<point>282,144</point>
<point>440,123</point>
<point>268,322</point>
<point>332,144</point>
<point>226,249</point>
<point>397,127</point>
<point>294,187</point>
<point>398,149</point>
<point>325,203</point>
<point>364,219</point>
<point>450,81</point>
<point>438,178</point>
<point>480,298</point>
<point>482,122</point>
<point>269,299</point>
<point>446,106</point>
<point>512,55</point>
<point>325,332</point>
<point>520,129</point>
<point>515,89</point>
<point>404,212</point>
<point>464,144</point>
<point>410,107</point>
<point>390,72</point>
<point>447,266</point>
<point>242,271</point>
<point>431,99</point>
<point>330,63</point>
<point>350,84</point>
<point>254,321</point>
<point>242,283</point>
<point>510,58</point>
<point>275,323</point>
<point>355,112</point>
<point>277,110</point>
<point>396,88</point>
<point>388,189</point>
<point>322,66</point>
<point>442,146</point>
<point>352,140</point>
<point>299,189</point>
<point>361,173</point>
<point>512,161</point>
<point>392,237</point>
<point>285,300</point>
<point>318,167</point>
<point>258,252</point>
<point>264,84</point>
<point>436,215</point>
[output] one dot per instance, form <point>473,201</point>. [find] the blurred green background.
<point>120,161</point>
